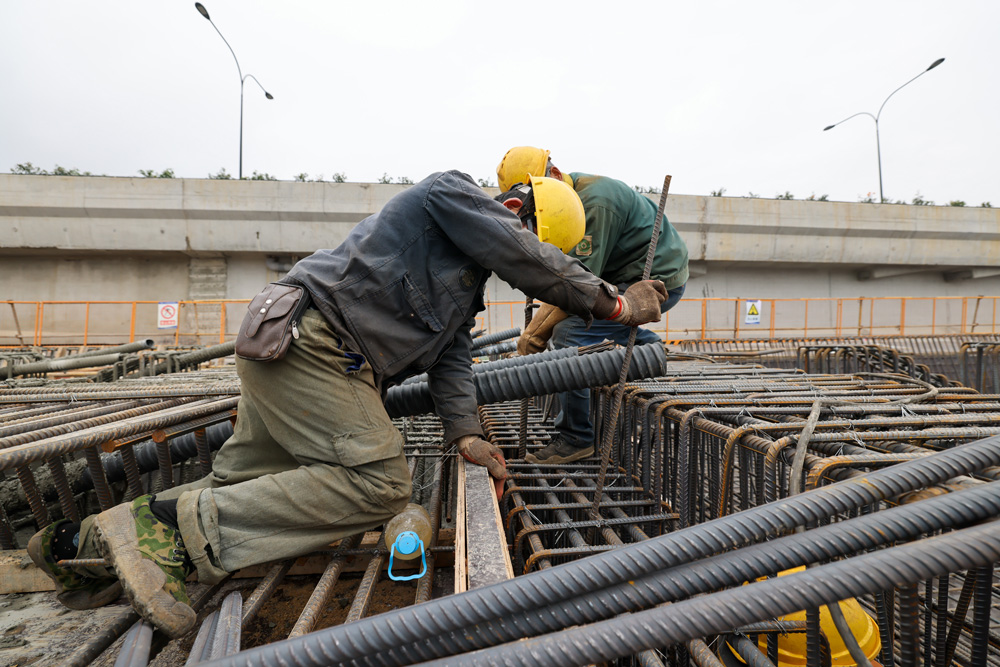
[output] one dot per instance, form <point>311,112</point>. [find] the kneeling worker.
<point>314,457</point>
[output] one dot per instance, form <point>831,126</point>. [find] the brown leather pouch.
<point>271,322</point>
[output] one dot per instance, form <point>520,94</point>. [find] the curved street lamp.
<point>878,144</point>
<point>204,12</point>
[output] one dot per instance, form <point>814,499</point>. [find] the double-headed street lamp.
<point>878,144</point>
<point>204,12</point>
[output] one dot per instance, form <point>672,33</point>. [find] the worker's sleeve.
<point>492,236</point>
<point>604,229</point>
<point>451,387</point>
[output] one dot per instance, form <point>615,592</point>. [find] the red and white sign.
<point>166,315</point>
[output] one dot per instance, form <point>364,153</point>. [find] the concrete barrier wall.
<point>106,239</point>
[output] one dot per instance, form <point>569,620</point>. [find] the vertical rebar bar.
<point>101,487</point>
<point>35,502</point>
<point>204,452</point>
<point>609,426</point>
<point>132,475</point>
<point>59,480</point>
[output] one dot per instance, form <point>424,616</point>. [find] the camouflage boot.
<point>151,563</point>
<point>73,590</point>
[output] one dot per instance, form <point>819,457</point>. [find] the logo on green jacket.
<point>585,247</point>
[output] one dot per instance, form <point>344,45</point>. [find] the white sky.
<point>716,93</point>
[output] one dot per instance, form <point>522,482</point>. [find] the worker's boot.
<point>73,589</point>
<point>151,562</point>
<point>559,451</point>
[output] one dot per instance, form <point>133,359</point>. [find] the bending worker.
<point>614,247</point>
<point>314,457</point>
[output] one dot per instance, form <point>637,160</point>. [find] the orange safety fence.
<point>41,323</point>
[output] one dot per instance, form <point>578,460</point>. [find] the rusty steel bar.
<point>204,451</point>
<point>136,390</point>
<point>133,477</point>
<point>65,493</point>
<point>324,588</point>
<point>359,607</point>
<point>71,427</point>
<point>163,458</point>
<point>38,508</point>
<point>71,442</point>
<point>265,589</point>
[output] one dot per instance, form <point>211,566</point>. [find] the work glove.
<point>640,304</point>
<point>476,450</point>
<point>536,335</point>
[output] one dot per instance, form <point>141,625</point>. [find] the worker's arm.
<point>492,236</point>
<point>451,387</point>
<point>454,393</point>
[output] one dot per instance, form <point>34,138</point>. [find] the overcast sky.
<point>730,95</point>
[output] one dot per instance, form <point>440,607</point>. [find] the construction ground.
<point>752,496</point>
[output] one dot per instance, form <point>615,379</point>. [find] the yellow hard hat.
<point>519,164</point>
<point>792,647</point>
<point>559,214</point>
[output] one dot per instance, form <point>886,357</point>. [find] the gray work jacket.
<point>404,287</point>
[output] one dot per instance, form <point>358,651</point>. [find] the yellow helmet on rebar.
<point>792,646</point>
<point>519,164</point>
<point>560,219</point>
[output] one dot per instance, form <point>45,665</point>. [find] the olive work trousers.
<point>313,458</point>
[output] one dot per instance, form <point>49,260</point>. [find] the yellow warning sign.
<point>753,312</point>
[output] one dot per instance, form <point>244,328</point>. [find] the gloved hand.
<point>476,450</point>
<point>536,335</point>
<point>641,303</point>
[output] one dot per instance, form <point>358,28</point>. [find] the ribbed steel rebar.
<point>136,646</point>
<point>505,347</point>
<point>71,442</point>
<point>496,337</point>
<point>116,392</point>
<point>64,364</point>
<point>731,568</point>
<point>183,360</point>
<point>324,587</point>
<point>121,413</point>
<point>182,448</point>
<point>379,636</point>
<point>711,614</point>
<point>510,362</point>
<point>226,638</point>
<point>137,346</point>
<point>563,374</point>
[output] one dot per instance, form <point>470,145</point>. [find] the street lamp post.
<point>878,143</point>
<point>204,12</point>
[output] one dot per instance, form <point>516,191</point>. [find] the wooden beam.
<point>461,554</point>
<point>486,544</point>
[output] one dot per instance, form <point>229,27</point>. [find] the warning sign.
<point>166,315</point>
<point>753,312</point>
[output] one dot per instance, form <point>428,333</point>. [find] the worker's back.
<point>619,227</point>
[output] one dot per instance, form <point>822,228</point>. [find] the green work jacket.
<point>619,227</point>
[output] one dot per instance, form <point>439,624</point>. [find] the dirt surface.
<point>36,630</point>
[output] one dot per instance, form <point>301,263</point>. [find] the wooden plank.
<point>18,574</point>
<point>486,545</point>
<point>461,553</point>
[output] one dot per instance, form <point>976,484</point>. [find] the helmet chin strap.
<point>530,223</point>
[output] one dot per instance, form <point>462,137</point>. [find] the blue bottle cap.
<point>407,542</point>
